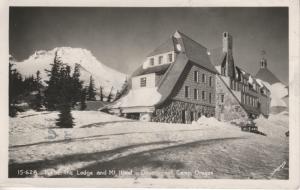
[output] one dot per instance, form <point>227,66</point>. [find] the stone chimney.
<point>227,43</point>
<point>228,69</point>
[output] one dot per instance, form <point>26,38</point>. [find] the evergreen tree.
<point>83,99</point>
<point>38,103</point>
<point>16,88</point>
<point>109,97</point>
<point>77,85</point>
<point>101,94</point>
<point>65,119</point>
<point>91,90</point>
<point>51,100</point>
<point>123,90</point>
<point>29,85</point>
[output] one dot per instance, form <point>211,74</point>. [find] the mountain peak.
<point>89,66</point>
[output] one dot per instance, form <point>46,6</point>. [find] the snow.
<point>139,97</point>
<point>209,121</point>
<point>275,126</point>
<point>99,138</point>
<point>102,74</point>
<point>250,80</point>
<point>278,92</point>
<point>260,82</point>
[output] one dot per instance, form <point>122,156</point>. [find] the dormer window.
<point>152,61</point>
<point>143,82</point>
<point>170,57</point>
<point>160,59</point>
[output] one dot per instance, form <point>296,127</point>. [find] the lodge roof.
<point>216,56</point>
<point>167,46</point>
<point>266,75</point>
<point>190,52</point>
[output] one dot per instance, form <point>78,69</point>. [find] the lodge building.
<point>181,80</point>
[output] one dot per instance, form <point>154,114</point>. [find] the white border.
<point>292,183</point>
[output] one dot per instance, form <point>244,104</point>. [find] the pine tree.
<point>51,100</point>
<point>101,94</point>
<point>16,88</point>
<point>109,97</point>
<point>38,97</point>
<point>91,90</point>
<point>123,90</point>
<point>83,99</point>
<point>77,85</point>
<point>65,119</point>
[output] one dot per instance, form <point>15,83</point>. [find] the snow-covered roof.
<point>139,97</point>
<point>191,53</point>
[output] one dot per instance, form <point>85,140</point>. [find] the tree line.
<point>62,92</point>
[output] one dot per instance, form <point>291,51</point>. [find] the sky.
<point>121,38</point>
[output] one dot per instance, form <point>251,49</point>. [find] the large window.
<point>160,59</point>
<point>143,82</point>
<point>210,81</point>
<point>196,94</point>
<point>196,76</point>
<point>203,95</point>
<point>209,96</point>
<point>170,57</point>
<point>203,78</point>
<point>222,98</point>
<point>152,61</point>
<point>186,91</point>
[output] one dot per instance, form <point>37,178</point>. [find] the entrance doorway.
<point>183,116</point>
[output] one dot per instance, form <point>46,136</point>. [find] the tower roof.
<point>266,75</point>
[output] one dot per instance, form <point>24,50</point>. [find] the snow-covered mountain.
<point>89,66</point>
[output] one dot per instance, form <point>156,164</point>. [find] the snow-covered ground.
<point>205,149</point>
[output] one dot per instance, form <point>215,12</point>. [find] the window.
<point>209,98</point>
<point>160,59</point>
<point>203,78</point>
<point>203,95</point>
<point>143,82</point>
<point>222,98</point>
<point>152,61</point>
<point>196,78</point>
<point>186,91</point>
<point>210,81</point>
<point>196,94</point>
<point>170,57</point>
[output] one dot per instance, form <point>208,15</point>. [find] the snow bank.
<point>275,126</point>
<point>139,97</point>
<point>211,121</point>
